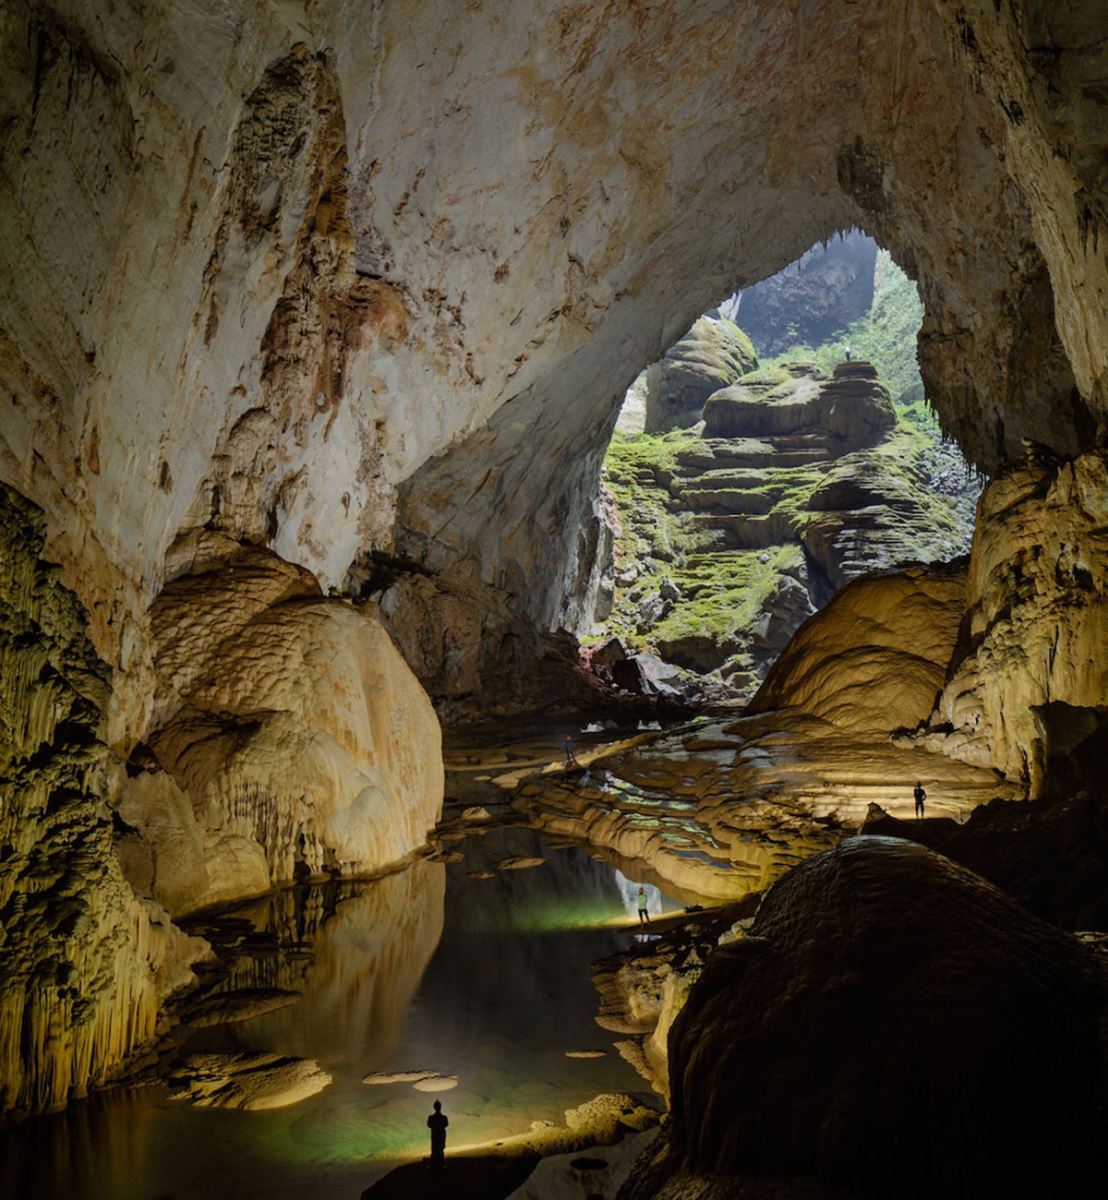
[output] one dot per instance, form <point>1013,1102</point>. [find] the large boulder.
<point>713,354</point>
<point>290,737</point>
<point>894,1026</point>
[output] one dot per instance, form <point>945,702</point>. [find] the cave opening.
<point>781,447</point>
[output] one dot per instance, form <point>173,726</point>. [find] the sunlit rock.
<point>712,355</point>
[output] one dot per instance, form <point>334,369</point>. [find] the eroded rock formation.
<point>289,736</point>
<point>336,280</point>
<point>798,483</point>
<point>84,963</point>
<point>1037,625</point>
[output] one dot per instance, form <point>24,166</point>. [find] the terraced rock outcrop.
<point>712,355</point>
<point>797,484</point>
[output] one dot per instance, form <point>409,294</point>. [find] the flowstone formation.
<point>893,1024</point>
<point>725,806</point>
<point>794,484</point>
<point>289,738</point>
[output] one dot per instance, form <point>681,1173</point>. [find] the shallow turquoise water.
<point>428,969</point>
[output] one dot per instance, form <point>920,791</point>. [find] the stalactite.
<point>83,963</point>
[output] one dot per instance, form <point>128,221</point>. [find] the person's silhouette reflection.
<point>437,1123</point>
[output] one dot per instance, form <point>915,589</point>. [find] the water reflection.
<point>492,985</point>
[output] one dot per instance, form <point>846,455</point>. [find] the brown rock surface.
<point>904,1028</point>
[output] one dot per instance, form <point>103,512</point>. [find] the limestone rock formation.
<point>84,964</point>
<point>712,355</point>
<point>902,1027</point>
<point>800,483</point>
<point>1038,617</point>
<point>875,658</point>
<point>289,737</point>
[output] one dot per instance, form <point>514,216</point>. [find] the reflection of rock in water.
<point>506,937</point>
<point>356,952</point>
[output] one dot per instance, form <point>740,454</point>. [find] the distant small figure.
<point>644,916</point>
<point>920,796</point>
<point>437,1123</point>
<point>571,758</point>
<point>848,352</point>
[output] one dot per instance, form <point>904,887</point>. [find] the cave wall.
<point>84,963</point>
<point>266,300</point>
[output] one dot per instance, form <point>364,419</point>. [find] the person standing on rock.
<point>644,915</point>
<point>571,758</point>
<point>437,1123</point>
<point>920,796</point>
<point>848,352</point>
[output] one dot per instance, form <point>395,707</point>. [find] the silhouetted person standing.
<point>644,916</point>
<point>437,1123</point>
<point>571,758</point>
<point>920,796</point>
<point>848,352</point>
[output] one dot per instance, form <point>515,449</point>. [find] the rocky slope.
<point>725,806</point>
<point>897,1023</point>
<point>798,483</point>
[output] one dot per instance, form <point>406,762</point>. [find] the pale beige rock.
<point>1038,615</point>
<point>256,1080</point>
<point>293,736</point>
<point>875,658</point>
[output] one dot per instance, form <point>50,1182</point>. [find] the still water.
<point>432,968</point>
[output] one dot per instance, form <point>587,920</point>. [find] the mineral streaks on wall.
<point>83,964</point>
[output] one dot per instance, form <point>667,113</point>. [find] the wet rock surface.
<point>903,1025</point>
